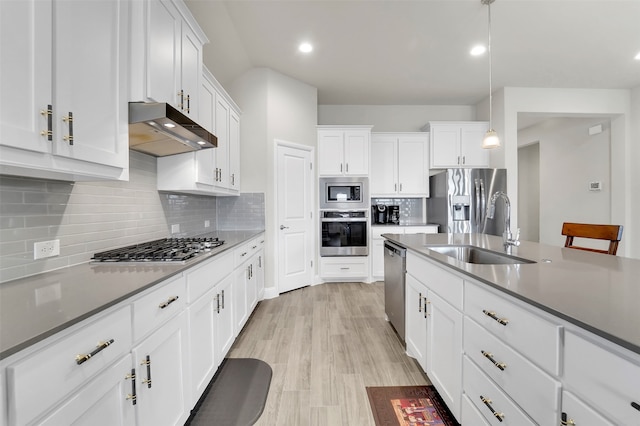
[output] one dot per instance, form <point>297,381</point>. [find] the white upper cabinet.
<point>167,55</point>
<point>458,144</point>
<point>343,150</point>
<point>214,171</point>
<point>399,164</point>
<point>64,75</point>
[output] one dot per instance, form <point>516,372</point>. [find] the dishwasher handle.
<point>395,250</point>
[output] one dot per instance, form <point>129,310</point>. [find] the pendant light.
<point>490,139</point>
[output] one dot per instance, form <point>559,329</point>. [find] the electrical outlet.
<point>46,249</point>
<point>207,224</point>
<point>175,228</point>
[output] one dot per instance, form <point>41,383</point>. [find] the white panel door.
<point>294,218</point>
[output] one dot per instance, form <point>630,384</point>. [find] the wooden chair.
<point>613,233</point>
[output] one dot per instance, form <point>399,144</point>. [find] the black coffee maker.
<point>379,213</point>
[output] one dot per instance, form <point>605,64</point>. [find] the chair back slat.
<point>612,233</point>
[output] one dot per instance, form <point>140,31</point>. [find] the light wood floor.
<point>325,344</point>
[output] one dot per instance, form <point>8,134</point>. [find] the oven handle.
<point>343,219</point>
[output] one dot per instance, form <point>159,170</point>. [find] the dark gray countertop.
<point>598,292</point>
<point>36,307</point>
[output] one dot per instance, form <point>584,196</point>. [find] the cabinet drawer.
<point>344,267</point>
<point>203,278</point>
<point>158,306</point>
<point>241,254</point>
<point>477,387</point>
<point>470,414</point>
<point>524,331</point>
<point>39,381</point>
<point>377,231</point>
<point>580,413</point>
<point>605,380</point>
<point>530,387</point>
<point>445,284</point>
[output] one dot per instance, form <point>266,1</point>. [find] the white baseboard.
<point>270,293</point>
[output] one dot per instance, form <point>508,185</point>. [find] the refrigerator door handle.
<point>477,205</point>
<point>483,200</point>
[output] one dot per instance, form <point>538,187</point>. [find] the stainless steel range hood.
<point>159,129</point>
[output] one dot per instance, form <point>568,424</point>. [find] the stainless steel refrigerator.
<point>459,199</point>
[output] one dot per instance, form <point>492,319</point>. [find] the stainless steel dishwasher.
<point>395,266</point>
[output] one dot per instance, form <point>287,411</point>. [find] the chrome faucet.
<point>507,239</point>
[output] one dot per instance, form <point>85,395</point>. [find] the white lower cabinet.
<point>606,378</point>
<point>202,322</point>
<point>444,350</point>
<point>40,381</point>
<point>437,342</point>
<point>105,401</point>
<point>496,407</point>
<point>577,412</point>
<point>416,320</point>
<point>224,332</point>
<point>344,268</point>
<point>249,275</point>
<point>377,243</point>
<point>470,414</point>
<point>161,375</point>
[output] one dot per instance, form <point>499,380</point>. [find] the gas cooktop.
<point>174,250</point>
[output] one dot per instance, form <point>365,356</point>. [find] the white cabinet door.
<point>240,312</point>
<point>260,275</point>
<point>445,145</point>
<point>162,52</point>
<point>25,81</point>
<point>190,72</point>
<point>161,378</point>
<point>384,165</point>
<point>84,128</point>
<point>330,152</point>
<point>107,400</point>
<point>413,165</point>
<point>377,257</point>
<point>415,318</point>
<point>444,350</point>
<point>202,362</point>
<point>473,155</point>
<point>234,151</point>
<point>356,152</point>
<point>223,112</point>
<point>224,321</point>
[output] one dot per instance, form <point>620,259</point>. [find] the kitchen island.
<point>556,336</point>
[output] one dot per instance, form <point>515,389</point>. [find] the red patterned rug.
<point>409,406</point>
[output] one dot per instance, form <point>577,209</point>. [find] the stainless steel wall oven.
<point>344,233</point>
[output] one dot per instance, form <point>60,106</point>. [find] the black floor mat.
<point>237,395</point>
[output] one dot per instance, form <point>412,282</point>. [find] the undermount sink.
<point>477,255</point>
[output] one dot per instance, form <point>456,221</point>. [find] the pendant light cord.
<point>490,89</point>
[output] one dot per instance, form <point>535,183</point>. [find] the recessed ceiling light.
<point>638,56</point>
<point>478,50</point>
<point>305,47</point>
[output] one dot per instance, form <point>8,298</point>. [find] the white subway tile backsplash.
<point>89,217</point>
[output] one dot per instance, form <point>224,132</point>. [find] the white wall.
<point>529,184</point>
<point>632,234</point>
<point>615,104</point>
<point>274,106</point>
<point>570,158</point>
<point>393,118</point>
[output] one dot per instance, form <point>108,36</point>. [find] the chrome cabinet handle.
<point>218,303</point>
<point>49,114</point>
<point>489,356</point>
<point>81,358</point>
<point>419,302</point>
<point>181,94</point>
<point>168,302</point>
<point>426,311</point>
<point>222,299</point>
<point>487,402</point>
<point>635,405</point>
<point>283,227</point>
<point>69,119</point>
<point>188,104</point>
<point>492,315</point>
<point>347,168</point>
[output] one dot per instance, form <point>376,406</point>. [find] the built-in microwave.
<point>344,193</point>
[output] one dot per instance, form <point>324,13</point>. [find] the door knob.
<point>283,227</point>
